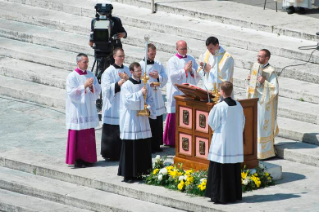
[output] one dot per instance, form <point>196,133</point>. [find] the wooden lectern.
<point>193,135</point>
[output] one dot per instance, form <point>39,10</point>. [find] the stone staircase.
<point>40,39</point>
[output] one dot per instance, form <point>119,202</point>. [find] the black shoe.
<point>79,164</point>
<point>159,150</point>
<point>290,10</point>
<point>302,10</point>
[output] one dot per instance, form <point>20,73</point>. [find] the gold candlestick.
<point>144,112</point>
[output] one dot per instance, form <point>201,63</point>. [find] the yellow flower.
<point>256,180</point>
<point>266,174</point>
<point>155,171</point>
<point>188,172</point>
<point>244,175</point>
<point>169,168</point>
<point>180,186</point>
<point>256,174</point>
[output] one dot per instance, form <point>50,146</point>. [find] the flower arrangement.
<point>176,178</point>
<point>252,179</point>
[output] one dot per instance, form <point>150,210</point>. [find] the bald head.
<point>181,47</point>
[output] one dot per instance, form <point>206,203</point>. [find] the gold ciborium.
<point>156,84</point>
<point>216,94</point>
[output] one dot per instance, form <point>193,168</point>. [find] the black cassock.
<point>157,132</point>
<point>111,143</point>
<point>136,158</point>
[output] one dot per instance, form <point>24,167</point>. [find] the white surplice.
<point>222,64</point>
<point>80,103</point>
<point>228,123</point>
<point>157,94</point>
<point>111,96</point>
<point>177,75</point>
<point>133,127</point>
<point>267,93</point>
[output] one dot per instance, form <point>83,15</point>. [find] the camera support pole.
<point>152,6</point>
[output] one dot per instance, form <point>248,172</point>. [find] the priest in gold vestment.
<point>263,84</point>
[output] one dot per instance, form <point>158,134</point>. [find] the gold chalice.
<point>156,84</point>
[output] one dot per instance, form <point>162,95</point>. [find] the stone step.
<point>34,92</point>
<point>103,177</point>
<point>168,23</point>
<point>298,152</point>
<point>290,88</point>
<point>237,14</point>
<point>33,72</point>
<point>12,202</point>
<point>72,194</point>
<point>78,43</point>
<point>297,130</point>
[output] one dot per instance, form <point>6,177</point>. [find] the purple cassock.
<point>81,117</point>
<point>169,132</point>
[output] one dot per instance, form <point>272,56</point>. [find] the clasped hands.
<point>89,83</point>
<point>123,77</point>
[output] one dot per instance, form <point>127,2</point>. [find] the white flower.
<point>160,177</point>
<point>181,178</point>
<point>246,181</point>
<point>201,180</point>
<point>163,171</point>
<point>157,158</point>
<point>261,165</point>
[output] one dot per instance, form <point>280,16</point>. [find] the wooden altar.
<point>193,135</point>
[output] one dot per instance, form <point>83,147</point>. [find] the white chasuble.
<point>222,68</point>
<point>133,127</point>
<point>267,109</point>
<point>111,93</point>
<point>157,92</point>
<point>80,103</point>
<point>228,123</point>
<point>177,75</point>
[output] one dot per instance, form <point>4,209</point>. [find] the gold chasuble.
<point>267,107</point>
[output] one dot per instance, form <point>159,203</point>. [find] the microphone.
<point>207,93</point>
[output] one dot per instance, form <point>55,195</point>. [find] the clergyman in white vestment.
<point>263,84</point>
<point>157,74</point>
<point>82,90</point>
<point>181,68</point>
<point>218,65</point>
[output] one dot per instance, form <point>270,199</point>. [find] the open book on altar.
<point>194,92</point>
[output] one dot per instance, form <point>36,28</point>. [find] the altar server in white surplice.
<point>112,81</point>
<point>263,84</point>
<point>217,63</point>
<point>226,151</point>
<point>157,74</point>
<point>181,68</point>
<point>82,90</point>
<point>135,131</point>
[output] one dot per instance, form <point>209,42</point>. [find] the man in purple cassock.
<point>82,90</point>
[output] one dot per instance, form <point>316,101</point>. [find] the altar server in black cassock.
<point>227,120</point>
<point>135,131</point>
<point>157,73</point>
<point>112,81</point>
